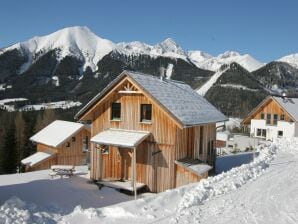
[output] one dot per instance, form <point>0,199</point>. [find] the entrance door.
<point>126,168</point>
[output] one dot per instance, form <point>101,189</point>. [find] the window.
<point>105,150</point>
<point>85,143</point>
<point>275,118</point>
<point>146,112</point>
<point>280,133</point>
<point>67,144</point>
<point>268,120</point>
<point>261,132</point>
<point>262,116</point>
<point>116,111</point>
<point>201,139</point>
<point>282,117</point>
<point>73,139</point>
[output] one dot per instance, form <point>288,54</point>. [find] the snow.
<point>169,71</point>
<point>167,48</point>
<point>231,123</point>
<point>36,158</point>
<point>10,108</point>
<point>291,59</point>
<point>52,105</point>
<point>263,191</point>
<point>83,44</point>
<point>208,62</point>
<point>207,85</point>
<point>56,133</point>
<point>235,86</point>
<point>35,197</point>
<point>75,41</point>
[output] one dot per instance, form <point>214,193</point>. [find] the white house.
<point>274,117</point>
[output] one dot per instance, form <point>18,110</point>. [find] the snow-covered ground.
<point>263,191</point>
<point>49,199</point>
<point>42,106</point>
<point>52,105</point>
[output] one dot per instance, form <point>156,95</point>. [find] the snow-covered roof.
<point>289,104</point>
<point>56,133</point>
<point>194,165</point>
<point>36,158</point>
<point>177,98</point>
<point>119,137</point>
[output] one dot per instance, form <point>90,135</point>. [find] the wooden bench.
<point>61,170</point>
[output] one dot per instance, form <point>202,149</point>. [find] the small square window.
<point>280,133</point>
<point>259,132</point>
<point>116,111</point>
<point>105,150</point>
<point>146,112</point>
<point>282,117</point>
<point>73,139</point>
<point>262,116</point>
<point>67,144</point>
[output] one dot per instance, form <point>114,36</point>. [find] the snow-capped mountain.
<point>83,44</point>
<point>167,48</point>
<point>206,61</point>
<point>291,59</point>
<point>77,41</point>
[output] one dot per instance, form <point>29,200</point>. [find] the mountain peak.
<point>291,59</point>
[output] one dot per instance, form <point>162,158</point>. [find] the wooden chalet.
<point>61,142</point>
<point>274,117</point>
<point>151,131</point>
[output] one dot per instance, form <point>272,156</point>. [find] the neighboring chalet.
<point>274,117</point>
<point>158,132</point>
<point>61,142</point>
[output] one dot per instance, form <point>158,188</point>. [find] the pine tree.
<point>20,137</point>
<point>8,152</point>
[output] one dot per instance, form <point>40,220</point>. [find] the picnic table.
<point>62,170</point>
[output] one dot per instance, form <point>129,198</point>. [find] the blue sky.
<point>266,29</point>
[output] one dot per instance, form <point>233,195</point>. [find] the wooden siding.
<point>269,107</point>
<point>72,155</point>
<point>156,155</point>
<point>184,176</point>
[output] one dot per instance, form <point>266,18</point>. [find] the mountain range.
<point>74,63</point>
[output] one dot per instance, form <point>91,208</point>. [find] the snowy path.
<point>204,88</point>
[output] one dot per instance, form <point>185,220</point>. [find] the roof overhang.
<point>194,165</point>
<point>37,158</point>
<point>120,138</point>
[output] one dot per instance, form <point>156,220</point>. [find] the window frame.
<point>278,133</point>
<point>275,119</point>
<point>144,119</point>
<point>268,121</point>
<point>262,116</point>
<point>115,118</point>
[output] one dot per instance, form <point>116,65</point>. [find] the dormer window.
<point>146,112</point>
<point>116,111</point>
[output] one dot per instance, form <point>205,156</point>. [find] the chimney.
<point>284,96</point>
<point>162,72</point>
<point>169,71</point>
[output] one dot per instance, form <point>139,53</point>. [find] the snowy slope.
<point>74,41</point>
<point>207,85</point>
<point>291,59</point>
<point>208,62</point>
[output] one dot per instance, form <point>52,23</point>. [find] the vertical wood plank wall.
<point>156,155</point>
<point>72,155</point>
<point>271,107</point>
